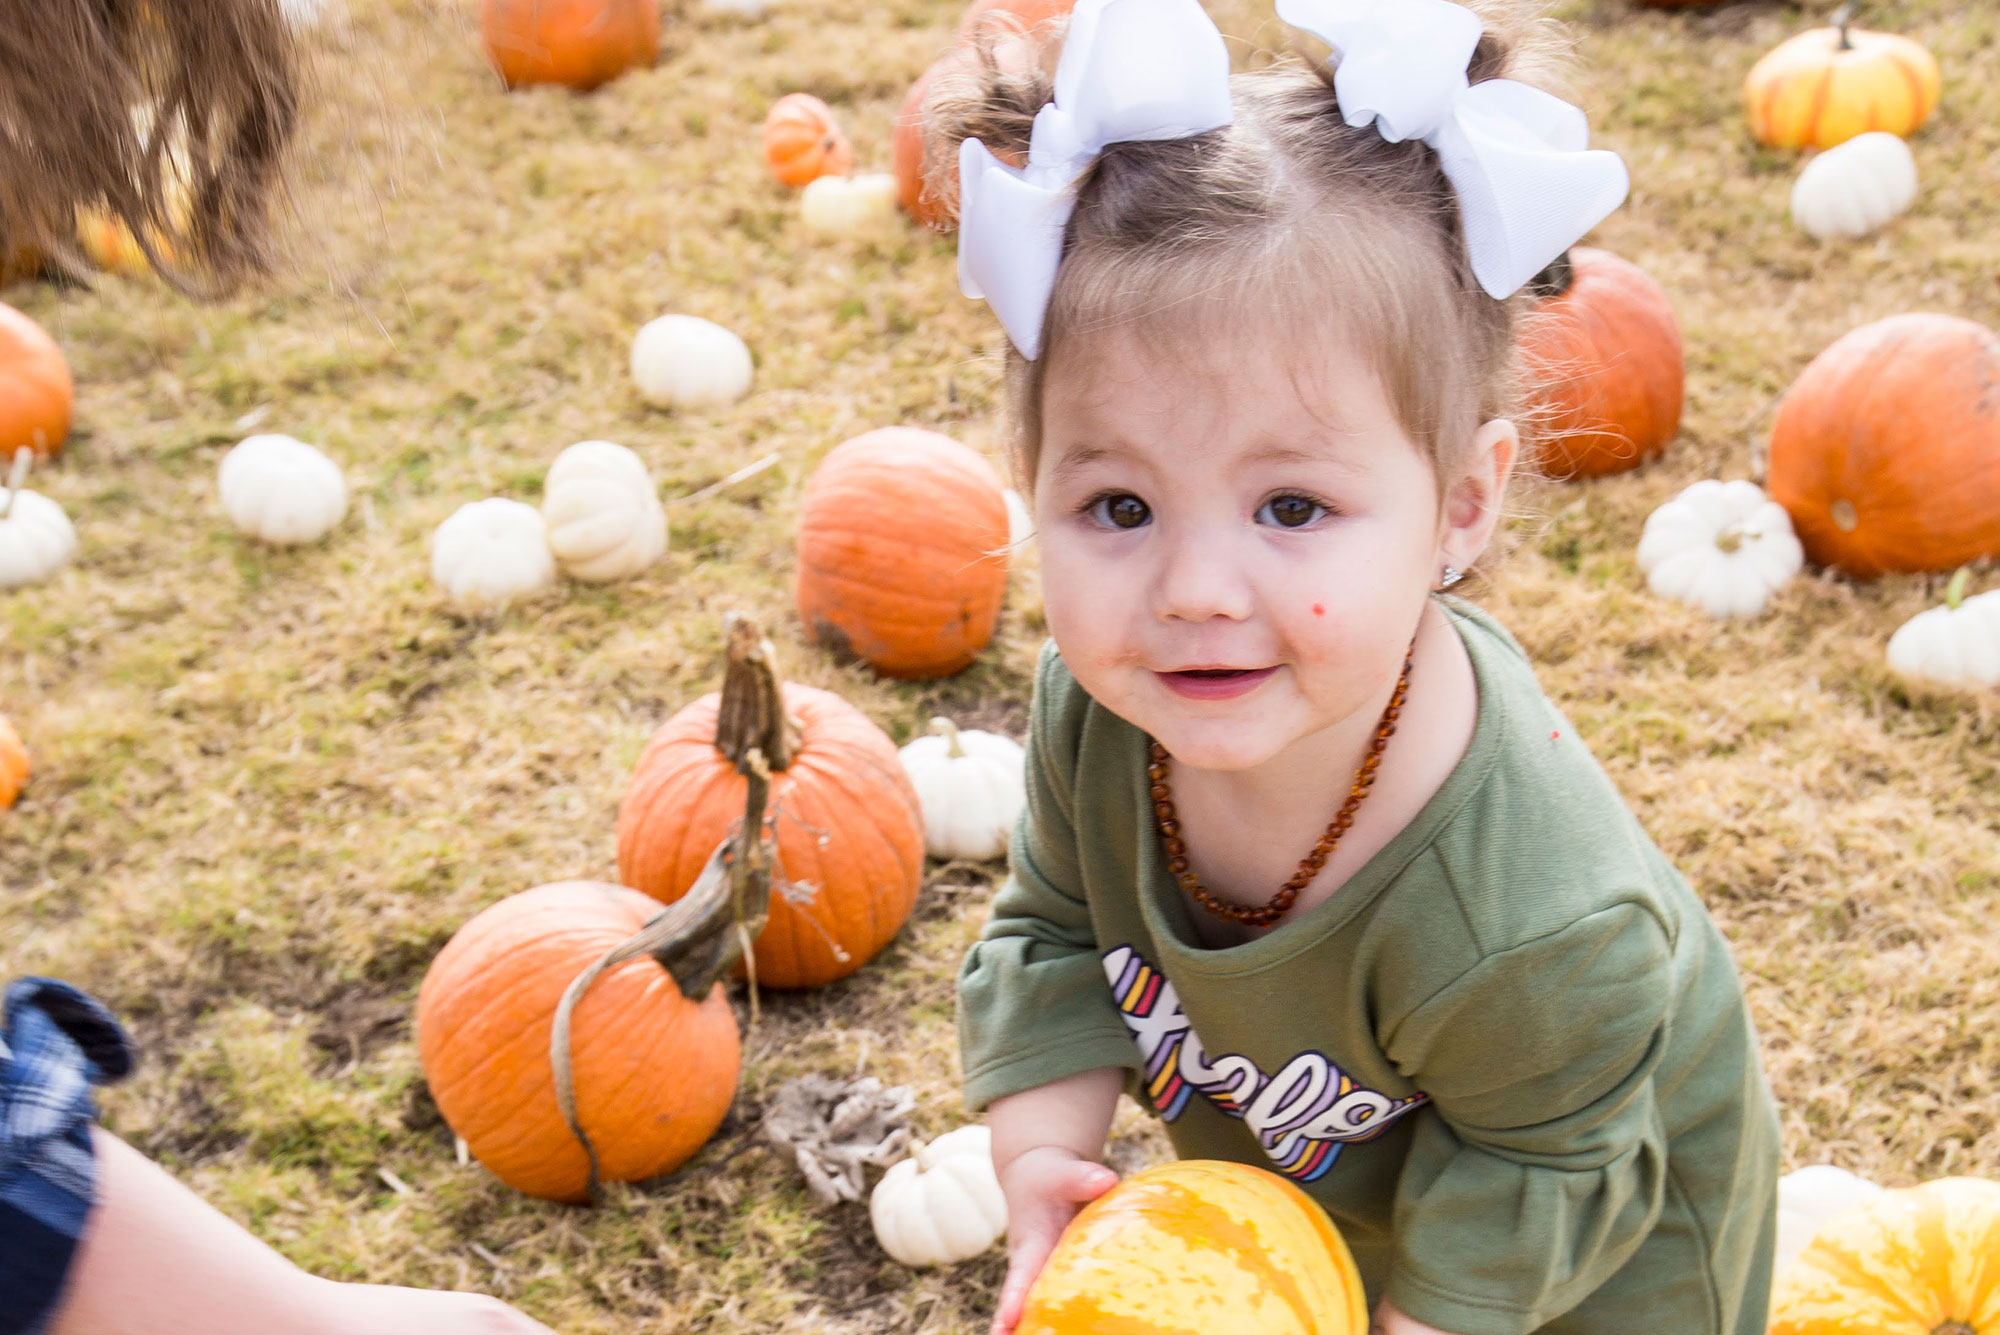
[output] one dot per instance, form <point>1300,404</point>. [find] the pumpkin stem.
<point>1841,18</point>
<point>1954,592</point>
<point>1554,280</point>
<point>16,475</point>
<point>1954,1328</point>
<point>702,935</point>
<point>948,730</point>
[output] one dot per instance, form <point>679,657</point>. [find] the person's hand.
<point>381,1309</point>
<point>1045,1187</point>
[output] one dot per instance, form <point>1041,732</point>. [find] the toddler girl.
<point>1262,337</point>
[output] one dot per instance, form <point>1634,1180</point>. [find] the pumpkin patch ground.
<point>270,783</point>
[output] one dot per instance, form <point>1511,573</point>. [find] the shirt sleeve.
<point>1033,1003</point>
<point>1544,1165</point>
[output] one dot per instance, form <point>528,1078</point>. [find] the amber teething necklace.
<point>1263,915</point>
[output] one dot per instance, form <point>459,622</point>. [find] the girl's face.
<point>1235,562</point>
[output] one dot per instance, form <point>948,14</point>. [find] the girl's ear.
<point>1471,509</point>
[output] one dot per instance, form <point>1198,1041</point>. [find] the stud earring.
<point>1450,577</point>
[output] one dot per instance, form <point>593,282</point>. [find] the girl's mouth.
<point>1214,683</point>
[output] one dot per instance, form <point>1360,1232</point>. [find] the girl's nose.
<point>1199,580</point>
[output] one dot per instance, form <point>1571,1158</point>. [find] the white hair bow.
<point>1528,188</point>
<point>1130,69</point>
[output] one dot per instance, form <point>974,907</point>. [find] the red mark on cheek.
<point>1318,610</point>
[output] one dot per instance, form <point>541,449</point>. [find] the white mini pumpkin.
<point>36,537</point>
<point>1808,1198</point>
<point>605,519</point>
<point>1020,522</point>
<point>971,786</point>
<point>1855,187</point>
<point>1721,546</point>
<point>491,552</point>
<point>1955,645</point>
<point>281,490</point>
<point>684,361</point>
<point>943,1204</point>
<point>844,204</point>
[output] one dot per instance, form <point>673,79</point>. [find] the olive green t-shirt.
<point>1510,1055</point>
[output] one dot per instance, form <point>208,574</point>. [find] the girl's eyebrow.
<point>1074,461</point>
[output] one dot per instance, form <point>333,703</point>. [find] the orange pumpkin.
<point>1913,1261</point>
<point>802,142</point>
<point>579,43</point>
<point>907,159</point>
<point>1602,353</point>
<point>35,388</point>
<point>849,833</point>
<point>1205,1245</point>
<point>1019,14</point>
<point>14,763</point>
<point>1886,449</point>
<point>653,1071</point>
<point>901,552</point>
<point>1828,85</point>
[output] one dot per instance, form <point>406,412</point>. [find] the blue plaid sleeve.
<point>55,1043</point>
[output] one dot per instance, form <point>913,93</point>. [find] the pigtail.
<point>991,91</point>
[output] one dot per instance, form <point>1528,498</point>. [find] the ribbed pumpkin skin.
<point>1886,449</point>
<point>14,763</point>
<point>1199,1247</point>
<point>1606,367</point>
<point>845,782</point>
<point>901,552</point>
<point>1807,91</point>
<point>579,43</point>
<point>654,1072</point>
<point>36,390</point>
<point>1913,1261</point>
<point>802,142</point>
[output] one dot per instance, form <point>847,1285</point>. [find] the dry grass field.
<point>272,783</point>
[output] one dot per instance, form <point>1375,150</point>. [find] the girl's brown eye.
<point>1292,511</point>
<point>1126,511</point>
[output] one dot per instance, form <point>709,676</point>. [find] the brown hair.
<point>1288,210</point>
<point>134,106</point>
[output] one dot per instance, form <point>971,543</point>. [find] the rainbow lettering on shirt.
<point>1302,1116</point>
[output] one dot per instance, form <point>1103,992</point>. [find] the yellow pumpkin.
<point>1914,1261</point>
<point>1823,87</point>
<point>1222,1248</point>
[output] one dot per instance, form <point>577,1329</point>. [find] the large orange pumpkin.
<point>803,142</point>
<point>35,388</point>
<point>580,43</point>
<point>1886,449</point>
<point>901,552</point>
<point>849,833</point>
<point>1914,1261</point>
<point>907,159</point>
<point>653,1071</point>
<point>1222,1248</point>
<point>14,763</point>
<point>1020,14</point>
<point>1602,352</point>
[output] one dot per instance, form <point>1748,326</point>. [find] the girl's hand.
<point>1045,1187</point>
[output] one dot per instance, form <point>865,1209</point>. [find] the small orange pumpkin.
<point>653,1071</point>
<point>802,141</point>
<point>1251,1254</point>
<point>1019,14</point>
<point>578,43</point>
<point>1602,352</point>
<point>908,161</point>
<point>1886,449</point>
<point>36,391</point>
<point>848,832</point>
<point>1825,86</point>
<point>901,552</point>
<point>15,764</point>
<point>1912,1261</point>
